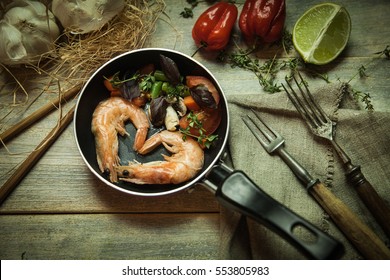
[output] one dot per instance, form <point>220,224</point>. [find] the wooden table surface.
<point>61,211</point>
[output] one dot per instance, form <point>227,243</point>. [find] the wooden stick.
<point>33,158</point>
<point>40,113</point>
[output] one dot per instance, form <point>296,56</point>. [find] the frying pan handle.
<point>237,191</point>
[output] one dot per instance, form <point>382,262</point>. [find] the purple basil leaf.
<point>130,89</point>
<point>170,69</point>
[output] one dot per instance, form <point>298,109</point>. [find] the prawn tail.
<point>140,138</point>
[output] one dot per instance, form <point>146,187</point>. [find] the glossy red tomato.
<point>209,119</point>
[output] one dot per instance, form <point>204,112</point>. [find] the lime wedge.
<point>322,33</point>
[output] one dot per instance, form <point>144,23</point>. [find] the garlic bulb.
<point>83,16</point>
<point>27,30</point>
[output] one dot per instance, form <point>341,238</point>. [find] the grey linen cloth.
<point>363,135</point>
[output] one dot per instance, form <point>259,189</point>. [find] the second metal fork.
<point>321,125</point>
<point>358,233</point>
<point>273,143</point>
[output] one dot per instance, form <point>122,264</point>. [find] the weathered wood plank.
<point>105,236</point>
<point>89,220</point>
<point>369,35</point>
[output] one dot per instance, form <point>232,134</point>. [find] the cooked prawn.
<point>108,120</point>
<point>186,160</point>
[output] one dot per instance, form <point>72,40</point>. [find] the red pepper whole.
<point>213,27</point>
<point>263,19</point>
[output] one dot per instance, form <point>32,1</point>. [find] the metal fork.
<point>359,234</point>
<point>321,125</point>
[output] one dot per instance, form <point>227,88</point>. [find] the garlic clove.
<point>87,15</point>
<point>11,46</point>
<point>28,30</point>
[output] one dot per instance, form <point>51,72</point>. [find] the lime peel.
<point>322,33</point>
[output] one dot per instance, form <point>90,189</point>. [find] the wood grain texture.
<point>61,211</point>
<point>109,236</point>
<point>357,232</point>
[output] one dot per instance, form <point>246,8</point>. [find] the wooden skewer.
<point>33,158</point>
<point>40,113</point>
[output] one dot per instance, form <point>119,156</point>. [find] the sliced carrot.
<point>115,92</point>
<point>139,101</point>
<point>108,84</point>
<point>190,103</point>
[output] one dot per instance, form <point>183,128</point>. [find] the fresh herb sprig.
<point>116,81</point>
<point>265,72</point>
<point>385,52</point>
<point>287,41</point>
<point>203,139</point>
<point>365,97</point>
<point>147,83</point>
<point>188,12</point>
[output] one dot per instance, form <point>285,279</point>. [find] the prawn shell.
<point>94,92</point>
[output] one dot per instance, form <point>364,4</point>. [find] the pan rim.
<point>174,189</point>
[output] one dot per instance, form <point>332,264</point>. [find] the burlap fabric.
<point>364,135</point>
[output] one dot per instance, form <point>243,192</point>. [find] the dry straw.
<point>77,56</point>
<point>74,60</point>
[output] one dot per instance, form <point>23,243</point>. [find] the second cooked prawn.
<point>185,162</point>
<point>108,120</point>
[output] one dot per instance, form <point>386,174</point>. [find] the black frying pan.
<point>232,188</point>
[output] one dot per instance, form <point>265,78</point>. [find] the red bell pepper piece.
<point>213,27</point>
<point>263,19</point>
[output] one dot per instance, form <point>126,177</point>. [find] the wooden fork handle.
<point>359,234</point>
<point>375,204</point>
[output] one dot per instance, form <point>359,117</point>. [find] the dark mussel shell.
<point>158,110</point>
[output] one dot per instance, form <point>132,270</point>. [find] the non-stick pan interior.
<point>94,92</point>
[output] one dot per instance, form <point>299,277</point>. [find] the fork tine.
<point>275,140</point>
<point>306,106</point>
<point>275,134</point>
<point>294,99</point>
<point>254,128</point>
<point>310,99</point>
<point>305,103</point>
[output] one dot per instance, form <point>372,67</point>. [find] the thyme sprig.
<point>116,81</point>
<point>385,52</point>
<point>188,12</point>
<point>362,71</point>
<point>264,71</point>
<point>203,139</point>
<point>365,97</point>
<point>287,41</point>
